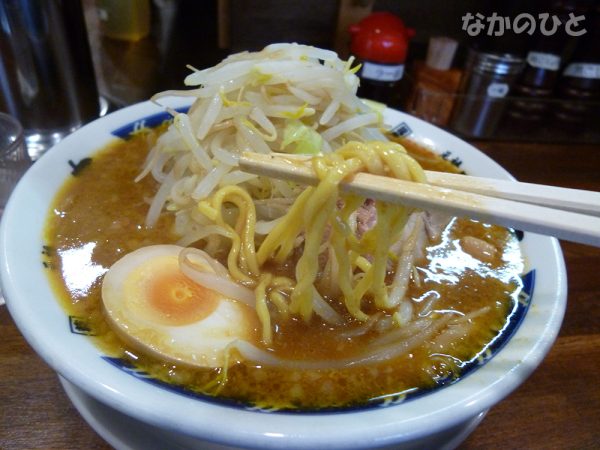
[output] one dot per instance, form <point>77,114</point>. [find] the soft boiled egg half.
<point>153,306</point>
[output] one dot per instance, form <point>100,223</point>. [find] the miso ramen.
<point>267,292</point>
<point>99,216</point>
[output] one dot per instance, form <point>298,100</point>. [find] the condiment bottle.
<point>544,60</point>
<point>435,83</point>
<point>579,85</point>
<point>380,43</point>
<point>488,78</point>
<point>537,81</point>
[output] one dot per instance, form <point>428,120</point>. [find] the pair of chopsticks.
<point>569,214</point>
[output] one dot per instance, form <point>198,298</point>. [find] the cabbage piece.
<point>307,139</point>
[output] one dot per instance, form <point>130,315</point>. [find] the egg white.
<point>195,333</point>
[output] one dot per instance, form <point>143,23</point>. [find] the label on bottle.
<point>583,70</point>
<point>497,90</point>
<point>541,60</point>
<point>382,72</point>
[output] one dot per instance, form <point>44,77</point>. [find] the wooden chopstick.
<point>576,200</point>
<point>553,221</point>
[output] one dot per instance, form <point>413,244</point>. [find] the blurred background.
<point>482,69</point>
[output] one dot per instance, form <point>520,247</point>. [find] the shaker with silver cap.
<point>487,80</point>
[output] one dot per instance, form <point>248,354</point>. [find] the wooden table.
<point>558,407</point>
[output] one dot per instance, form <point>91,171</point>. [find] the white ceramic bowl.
<point>439,418</point>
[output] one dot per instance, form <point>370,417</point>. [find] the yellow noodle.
<point>262,309</point>
<point>241,261</point>
<point>279,300</point>
<point>284,233</point>
<point>362,263</point>
<point>318,223</point>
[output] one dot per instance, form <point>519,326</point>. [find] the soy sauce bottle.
<point>579,85</point>
<point>543,64</point>
<point>542,69</point>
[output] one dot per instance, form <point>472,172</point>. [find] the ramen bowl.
<point>102,386</point>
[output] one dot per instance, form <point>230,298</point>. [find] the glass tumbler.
<point>14,159</point>
<point>47,78</point>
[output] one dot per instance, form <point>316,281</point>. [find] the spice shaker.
<point>488,78</point>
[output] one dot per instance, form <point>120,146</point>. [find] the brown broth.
<point>98,216</point>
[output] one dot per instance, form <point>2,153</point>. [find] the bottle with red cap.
<point>380,44</point>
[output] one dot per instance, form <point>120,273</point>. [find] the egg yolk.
<point>158,292</point>
<point>179,299</point>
